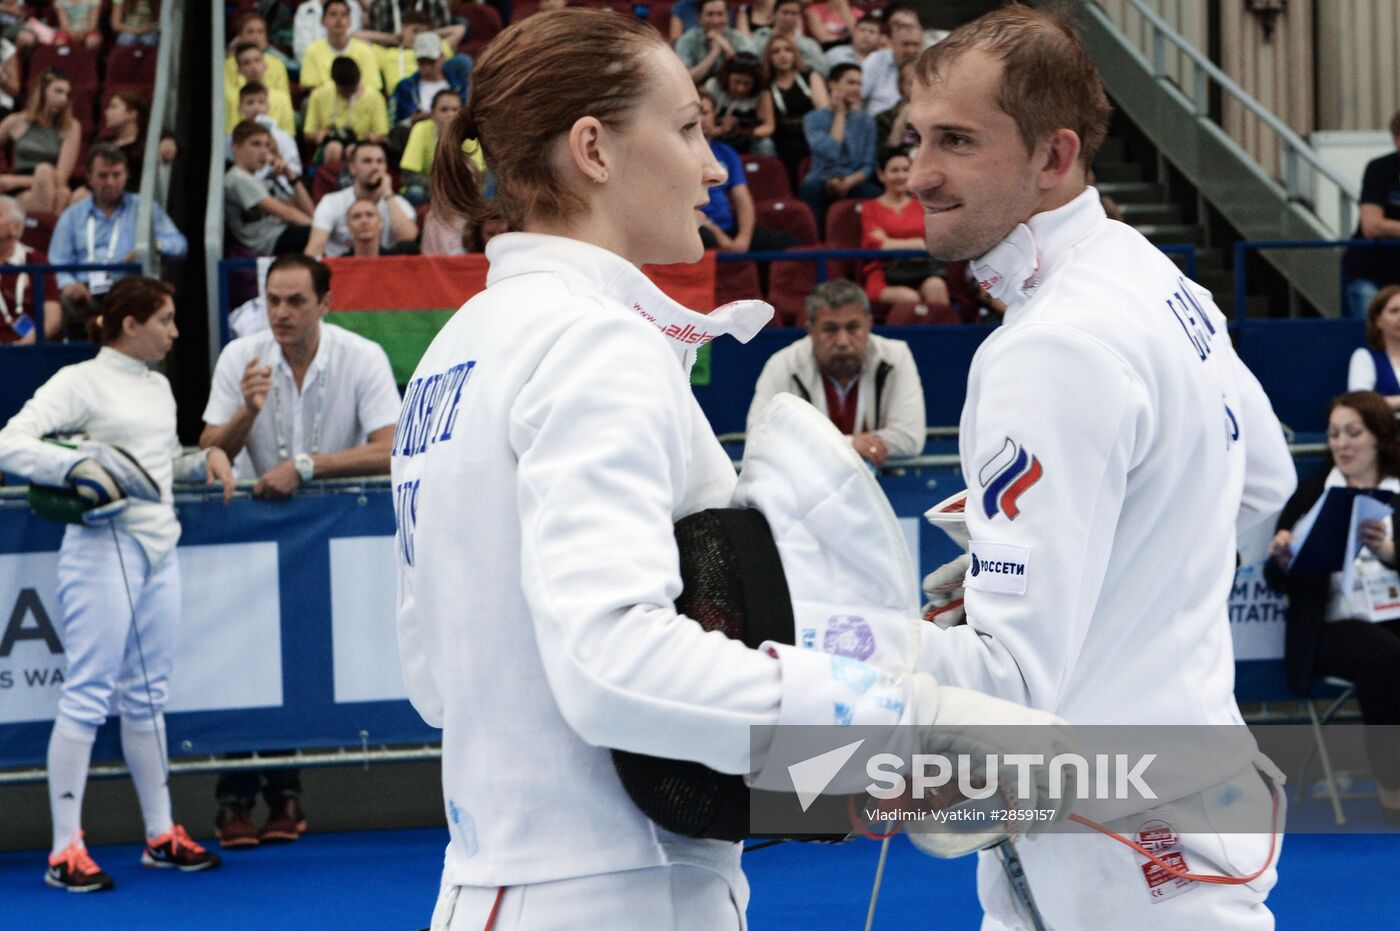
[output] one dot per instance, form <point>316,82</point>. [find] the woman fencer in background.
<point>118,575</point>
<point>548,441</point>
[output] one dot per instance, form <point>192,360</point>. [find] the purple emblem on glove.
<point>849,635</point>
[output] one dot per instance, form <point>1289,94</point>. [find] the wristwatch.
<point>304,466</point>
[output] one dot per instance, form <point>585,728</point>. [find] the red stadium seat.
<point>789,283</point>
<point>790,216</point>
<point>736,281</point>
<point>519,9</point>
<point>131,65</point>
<point>77,63</point>
<point>767,178</point>
<point>38,230</point>
<point>484,25</point>
<point>909,313</point>
<point>659,15</point>
<point>843,232</point>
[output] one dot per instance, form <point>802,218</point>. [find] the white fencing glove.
<point>102,497</point>
<point>944,589</point>
<point>958,721</point>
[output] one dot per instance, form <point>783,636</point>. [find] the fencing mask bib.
<point>809,553</point>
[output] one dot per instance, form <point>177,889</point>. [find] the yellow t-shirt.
<point>275,76</point>
<point>316,64</point>
<point>365,113</point>
<point>422,143</point>
<point>398,63</point>
<point>279,107</point>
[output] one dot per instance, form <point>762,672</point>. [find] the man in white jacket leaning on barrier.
<point>1111,443</point>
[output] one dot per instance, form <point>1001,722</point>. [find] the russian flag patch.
<point>1007,476</point>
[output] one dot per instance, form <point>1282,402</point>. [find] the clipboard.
<point>1322,537</point>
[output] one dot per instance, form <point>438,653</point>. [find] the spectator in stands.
<point>338,43</point>
<point>136,22</point>
<point>865,40</point>
<point>124,127</point>
<point>252,105</point>
<point>101,229</point>
<point>796,90</point>
<point>263,215</point>
<point>787,22</point>
<point>895,220</point>
<point>743,106</point>
<point>868,385</point>
<point>892,125</point>
<point>685,15</point>
<point>480,234</point>
<point>366,227</point>
<point>880,71</point>
<point>80,21</point>
<point>1353,635</point>
<point>396,54</point>
<point>329,234</point>
<point>413,97</point>
<point>17,289</point>
<point>251,27</point>
<point>44,139</point>
<point>252,67</point>
<point>1376,367</point>
<point>418,153</point>
<point>832,22</point>
<point>1368,269</point>
<point>10,85</point>
<point>711,42</point>
<point>299,401</point>
<point>14,15</point>
<point>343,112</point>
<point>842,141</point>
<point>730,216</point>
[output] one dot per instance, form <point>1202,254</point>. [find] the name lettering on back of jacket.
<point>429,411</point>
<point>1195,323</point>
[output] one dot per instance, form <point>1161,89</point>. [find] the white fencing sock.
<point>70,753</point>
<point>143,747</point>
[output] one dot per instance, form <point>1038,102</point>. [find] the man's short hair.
<point>326,7</point>
<point>251,88</point>
<point>10,208</point>
<point>839,71</point>
<point>837,292</point>
<point>108,153</point>
<point>417,18</point>
<point>320,274</point>
<point>365,144</point>
<point>242,47</point>
<point>783,3</point>
<point>1395,125</point>
<point>344,72</point>
<point>247,130</point>
<point>1048,80</point>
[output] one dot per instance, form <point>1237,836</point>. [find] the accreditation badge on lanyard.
<point>1379,590</point>
<point>101,282</point>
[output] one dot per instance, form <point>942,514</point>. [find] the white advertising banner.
<point>230,649</point>
<point>364,642</point>
<point>1256,615</point>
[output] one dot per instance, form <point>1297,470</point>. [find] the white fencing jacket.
<point>1112,443</point>
<point>547,444</point>
<point>115,399</point>
<point>891,399</point>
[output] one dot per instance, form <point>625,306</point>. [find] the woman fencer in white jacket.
<point>110,569</point>
<point>548,442</point>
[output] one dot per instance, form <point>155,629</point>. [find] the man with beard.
<point>868,385</point>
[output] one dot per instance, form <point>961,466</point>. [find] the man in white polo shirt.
<point>301,400</point>
<point>330,236</point>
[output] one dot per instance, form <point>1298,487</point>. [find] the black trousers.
<point>241,786</point>
<point>1369,655</point>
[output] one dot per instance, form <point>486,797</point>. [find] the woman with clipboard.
<point>1351,634</point>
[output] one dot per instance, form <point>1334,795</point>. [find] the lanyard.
<point>283,452</point>
<point>20,281</point>
<point>91,234</point>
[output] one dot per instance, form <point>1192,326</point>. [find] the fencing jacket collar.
<point>1015,267</point>
<point>512,254</point>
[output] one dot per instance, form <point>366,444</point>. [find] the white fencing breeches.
<point>678,897</point>
<point>1087,882</point>
<point>105,670</point>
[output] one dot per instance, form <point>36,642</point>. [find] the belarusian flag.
<point>401,301</point>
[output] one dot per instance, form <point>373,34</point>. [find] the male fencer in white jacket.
<point>1112,444</point>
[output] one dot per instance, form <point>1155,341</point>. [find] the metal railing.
<point>1294,152</point>
<point>146,252</point>
<point>214,201</point>
<point>1242,249</point>
<point>36,276</point>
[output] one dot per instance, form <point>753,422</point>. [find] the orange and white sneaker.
<point>175,850</point>
<point>74,870</point>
